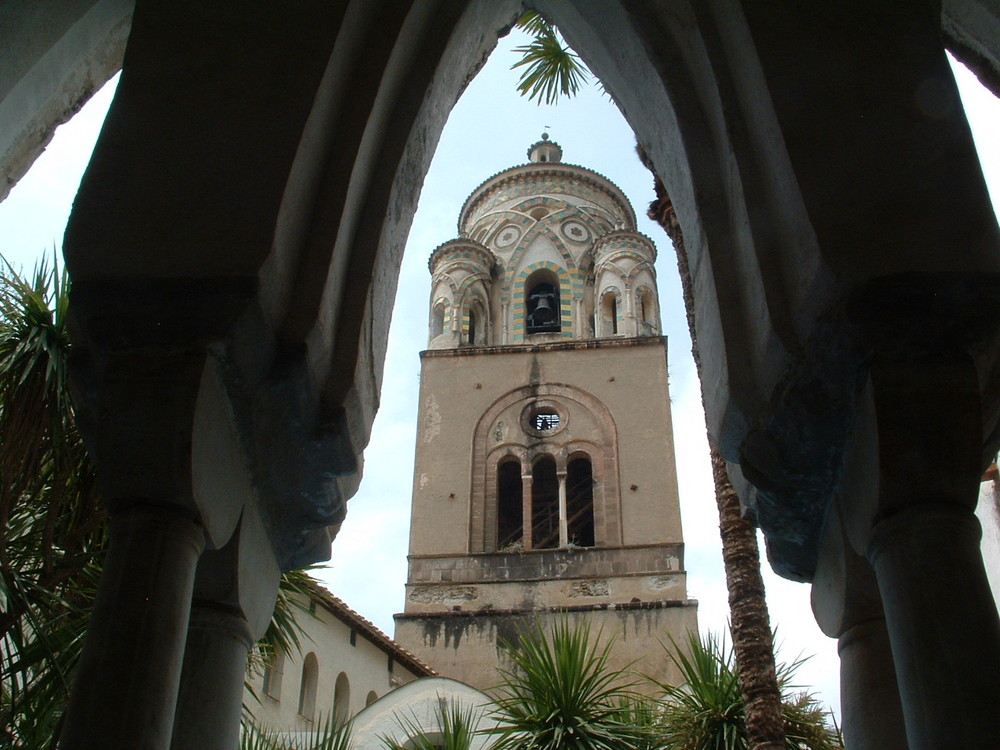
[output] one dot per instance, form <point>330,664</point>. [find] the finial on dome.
<point>544,151</point>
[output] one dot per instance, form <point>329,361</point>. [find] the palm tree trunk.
<point>753,643</point>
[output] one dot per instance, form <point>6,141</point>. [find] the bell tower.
<point>545,483</point>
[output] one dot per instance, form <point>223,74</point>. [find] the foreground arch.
<point>235,245</point>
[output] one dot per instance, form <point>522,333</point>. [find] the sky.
<point>488,131</point>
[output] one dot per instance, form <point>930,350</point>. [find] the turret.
<point>547,251</point>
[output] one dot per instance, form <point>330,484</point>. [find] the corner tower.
<point>545,483</point>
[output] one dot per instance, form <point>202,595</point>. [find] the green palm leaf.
<point>53,523</point>
<point>551,69</point>
<point>458,725</point>
<point>561,694</point>
<point>706,710</point>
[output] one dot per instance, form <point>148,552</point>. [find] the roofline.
<point>522,170</point>
<point>339,609</point>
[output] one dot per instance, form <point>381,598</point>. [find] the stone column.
<point>526,539</point>
<point>563,512</point>
<point>924,546</point>
<point>848,607</point>
<point>942,624</point>
<point>126,685</point>
<point>211,696</point>
<point>872,718</point>
<point>234,595</point>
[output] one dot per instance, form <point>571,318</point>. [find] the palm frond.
<point>457,726</point>
<point>327,734</point>
<point>706,709</point>
<point>551,68</point>
<point>52,521</point>
<point>257,736</point>
<point>295,590</point>
<point>561,693</point>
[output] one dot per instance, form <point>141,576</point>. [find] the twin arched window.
<point>309,686</point>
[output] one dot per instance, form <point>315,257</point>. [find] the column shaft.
<point>211,693</point>
<point>526,519</point>
<point>563,513</point>
<point>872,718</point>
<point>942,625</point>
<point>126,685</point>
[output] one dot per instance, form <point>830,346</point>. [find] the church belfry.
<point>544,483</point>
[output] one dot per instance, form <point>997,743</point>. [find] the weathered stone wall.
<point>627,376</point>
<point>469,646</point>
<point>545,578</point>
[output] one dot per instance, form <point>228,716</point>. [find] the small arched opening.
<point>370,698</point>
<point>646,312</point>
<point>273,673</point>
<point>341,698</point>
<point>307,688</point>
<point>609,314</point>
<point>510,508</point>
<point>541,303</point>
<point>437,319</point>
<point>580,501</point>
<point>470,338</point>
<point>544,504</point>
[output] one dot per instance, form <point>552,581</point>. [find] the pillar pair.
<point>918,630</point>
<point>166,652</point>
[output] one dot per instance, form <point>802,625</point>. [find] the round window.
<point>545,421</point>
<point>543,418</point>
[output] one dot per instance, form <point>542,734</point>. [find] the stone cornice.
<point>604,343</point>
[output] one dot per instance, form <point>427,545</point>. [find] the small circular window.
<point>543,419</point>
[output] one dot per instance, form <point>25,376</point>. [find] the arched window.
<point>371,698</point>
<point>273,673</point>
<point>541,303</point>
<point>609,314</point>
<point>580,502</point>
<point>342,698</point>
<point>510,509</point>
<point>307,689</point>
<point>646,309</point>
<point>544,504</point>
<point>437,319</point>
<point>471,340</point>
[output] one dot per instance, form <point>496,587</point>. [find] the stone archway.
<point>236,239</point>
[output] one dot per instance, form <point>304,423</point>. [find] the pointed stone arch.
<point>272,295</point>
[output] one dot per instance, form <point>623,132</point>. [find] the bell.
<point>543,312</point>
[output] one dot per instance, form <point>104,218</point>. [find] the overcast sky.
<point>488,131</point>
